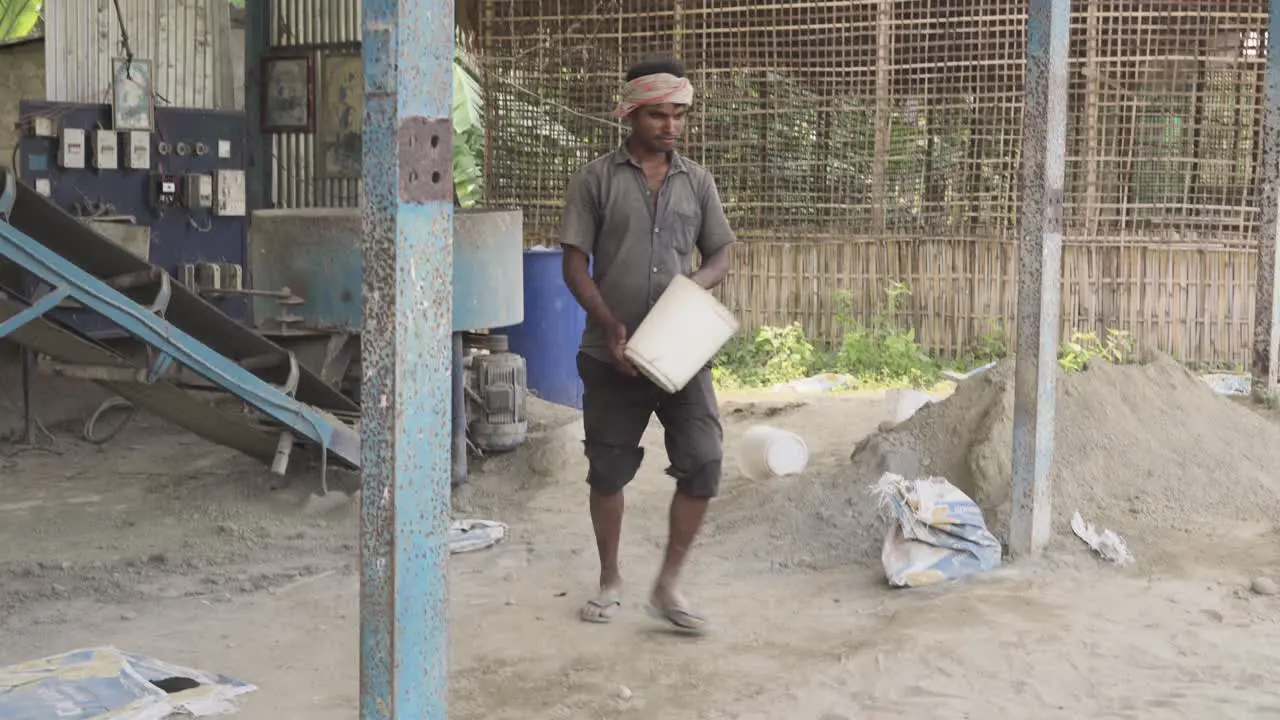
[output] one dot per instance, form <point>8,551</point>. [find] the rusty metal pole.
<point>1044,128</point>
<point>1266,308</point>
<point>407,356</point>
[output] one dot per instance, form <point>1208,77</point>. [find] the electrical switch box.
<point>187,275</point>
<point>209,276</point>
<point>164,191</point>
<point>232,276</point>
<point>231,194</point>
<point>71,152</point>
<point>44,127</point>
<point>106,156</point>
<point>197,191</point>
<point>139,150</point>
<point>44,187</point>
<point>224,149</point>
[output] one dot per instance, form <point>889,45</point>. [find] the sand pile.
<point>1141,449</point>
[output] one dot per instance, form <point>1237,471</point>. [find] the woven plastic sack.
<point>938,534</point>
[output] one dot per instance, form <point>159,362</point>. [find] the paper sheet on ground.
<point>471,535</point>
<point>1106,543</point>
<point>107,684</point>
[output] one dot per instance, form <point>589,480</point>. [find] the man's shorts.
<point>616,410</point>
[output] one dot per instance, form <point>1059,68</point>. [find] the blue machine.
<point>152,192</point>
<point>184,333</point>
<point>307,268</point>
<point>315,253</point>
<point>548,338</point>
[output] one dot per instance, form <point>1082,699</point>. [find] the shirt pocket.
<point>686,221</point>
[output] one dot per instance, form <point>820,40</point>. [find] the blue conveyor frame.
<point>170,344</point>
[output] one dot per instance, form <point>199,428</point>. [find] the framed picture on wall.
<point>288,93</point>
<point>132,95</point>
<point>340,121</point>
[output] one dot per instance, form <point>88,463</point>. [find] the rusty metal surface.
<point>1039,272</point>
<point>407,357</point>
<point>425,147</point>
<point>1266,310</point>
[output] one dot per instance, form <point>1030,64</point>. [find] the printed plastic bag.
<point>939,533</point>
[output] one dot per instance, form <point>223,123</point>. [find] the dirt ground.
<point>160,543</point>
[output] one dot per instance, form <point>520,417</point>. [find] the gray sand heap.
<point>1141,449</point>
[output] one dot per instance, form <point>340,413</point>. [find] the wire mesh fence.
<point>861,142</point>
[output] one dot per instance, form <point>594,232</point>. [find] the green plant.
<point>1082,347</point>
<point>468,131</point>
<point>991,345</point>
<point>770,356</point>
<point>18,18</point>
<point>880,352</point>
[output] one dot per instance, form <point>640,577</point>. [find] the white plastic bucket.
<point>904,403</point>
<point>680,335</point>
<point>769,452</point>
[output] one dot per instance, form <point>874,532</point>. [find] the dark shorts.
<point>615,412</point>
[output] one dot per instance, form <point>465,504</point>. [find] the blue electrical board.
<point>181,185</point>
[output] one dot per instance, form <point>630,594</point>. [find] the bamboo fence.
<point>862,142</point>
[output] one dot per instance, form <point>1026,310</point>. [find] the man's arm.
<point>578,228</point>
<point>578,232</point>
<point>714,239</point>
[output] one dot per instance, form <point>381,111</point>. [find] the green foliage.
<point>18,18</point>
<point>772,355</point>
<point>881,353</point>
<point>878,353</point>
<point>468,131</point>
<point>1075,354</point>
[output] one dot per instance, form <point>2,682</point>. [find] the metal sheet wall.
<point>188,42</point>
<point>320,26</point>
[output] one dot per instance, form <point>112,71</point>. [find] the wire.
<point>111,404</point>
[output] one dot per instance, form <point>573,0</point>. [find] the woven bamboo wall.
<point>860,142</point>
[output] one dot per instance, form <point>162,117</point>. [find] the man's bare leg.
<point>686,518</point>
<point>606,520</point>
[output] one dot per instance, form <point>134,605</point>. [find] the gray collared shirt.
<point>637,243</point>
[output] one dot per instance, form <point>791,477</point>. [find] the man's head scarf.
<point>654,90</point>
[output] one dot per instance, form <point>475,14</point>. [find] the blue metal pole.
<point>407,357</point>
<point>1044,128</point>
<point>1266,309</point>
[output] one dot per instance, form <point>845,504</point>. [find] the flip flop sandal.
<point>680,619</point>
<point>605,605</point>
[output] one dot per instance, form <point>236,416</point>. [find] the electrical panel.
<point>231,194</point>
<point>164,191</point>
<point>139,150</point>
<point>106,156</point>
<point>71,152</point>
<point>197,191</point>
<point>183,186</point>
<point>44,127</point>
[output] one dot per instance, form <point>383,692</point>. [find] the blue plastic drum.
<point>548,338</point>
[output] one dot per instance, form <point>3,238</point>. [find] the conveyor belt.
<point>46,223</point>
<point>141,299</point>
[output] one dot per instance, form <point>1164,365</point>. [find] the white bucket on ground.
<point>680,335</point>
<point>769,452</point>
<point>904,403</point>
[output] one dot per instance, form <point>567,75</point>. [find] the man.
<point>637,214</point>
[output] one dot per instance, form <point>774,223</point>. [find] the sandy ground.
<point>162,544</point>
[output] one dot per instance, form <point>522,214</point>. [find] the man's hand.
<point>617,346</point>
